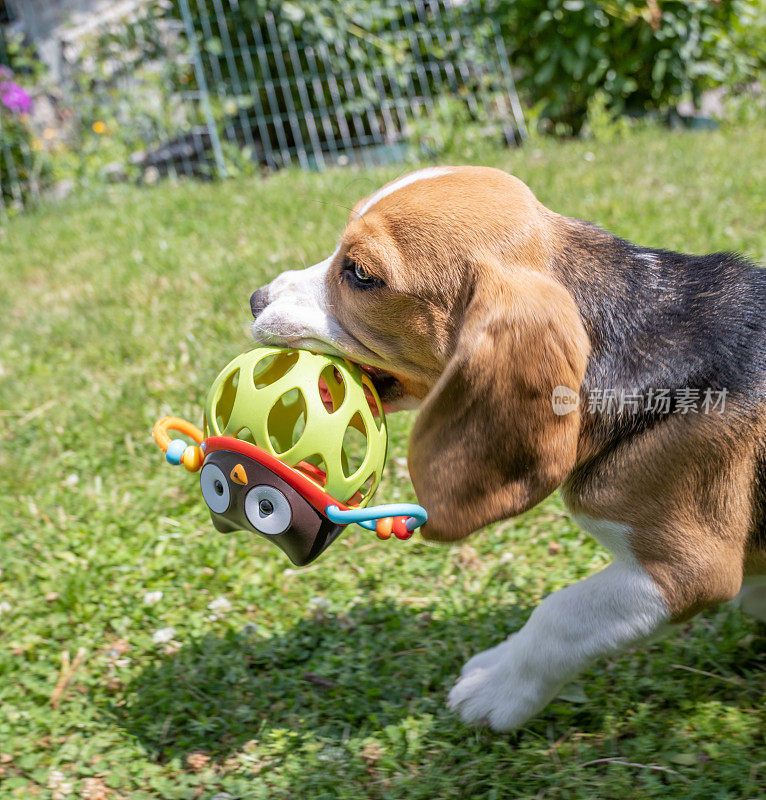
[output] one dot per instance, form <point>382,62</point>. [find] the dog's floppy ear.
<point>487,443</point>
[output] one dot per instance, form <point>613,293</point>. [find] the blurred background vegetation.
<point>137,89</point>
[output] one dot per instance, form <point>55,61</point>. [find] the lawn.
<point>207,667</point>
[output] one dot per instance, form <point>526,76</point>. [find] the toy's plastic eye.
<point>268,510</point>
<point>215,488</point>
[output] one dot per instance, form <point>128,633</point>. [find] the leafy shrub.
<point>133,83</point>
<point>126,80</point>
<point>641,56</point>
<point>22,164</point>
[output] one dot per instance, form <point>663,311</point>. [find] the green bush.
<point>576,60</point>
<point>638,55</point>
<point>126,80</point>
<point>133,82</point>
<point>643,56</point>
<point>24,168</point>
<point>15,157</point>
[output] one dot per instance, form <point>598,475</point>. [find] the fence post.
<point>518,113</point>
<point>199,73</point>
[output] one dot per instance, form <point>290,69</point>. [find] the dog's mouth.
<point>389,388</point>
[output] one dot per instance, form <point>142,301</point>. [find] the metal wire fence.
<point>332,101</point>
<point>198,87</point>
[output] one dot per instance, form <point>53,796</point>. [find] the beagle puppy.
<point>502,321</point>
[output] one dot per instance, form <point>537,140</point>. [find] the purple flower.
<point>14,98</point>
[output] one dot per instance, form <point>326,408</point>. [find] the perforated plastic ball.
<point>305,409</point>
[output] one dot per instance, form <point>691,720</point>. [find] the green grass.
<point>122,307</point>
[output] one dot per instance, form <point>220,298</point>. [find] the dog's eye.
<point>359,275</point>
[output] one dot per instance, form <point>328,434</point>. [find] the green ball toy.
<point>305,409</point>
<point>293,448</point>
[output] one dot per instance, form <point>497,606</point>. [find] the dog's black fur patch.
<point>664,320</point>
<point>660,319</point>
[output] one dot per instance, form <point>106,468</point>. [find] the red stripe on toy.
<point>302,484</point>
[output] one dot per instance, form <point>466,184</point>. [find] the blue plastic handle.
<point>366,517</point>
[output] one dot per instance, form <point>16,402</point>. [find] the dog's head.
<point>440,286</point>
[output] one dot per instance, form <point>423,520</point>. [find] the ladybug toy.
<point>293,448</point>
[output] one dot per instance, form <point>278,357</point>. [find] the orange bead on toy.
<point>192,458</point>
<point>383,527</point>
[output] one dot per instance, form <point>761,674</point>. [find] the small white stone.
<point>5,607</point>
<point>152,598</point>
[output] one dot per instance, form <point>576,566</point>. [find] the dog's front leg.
<point>608,612</point>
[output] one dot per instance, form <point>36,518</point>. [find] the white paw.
<point>493,691</point>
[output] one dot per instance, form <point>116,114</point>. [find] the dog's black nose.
<point>259,299</point>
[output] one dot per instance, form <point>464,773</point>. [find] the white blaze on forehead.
<point>394,186</point>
